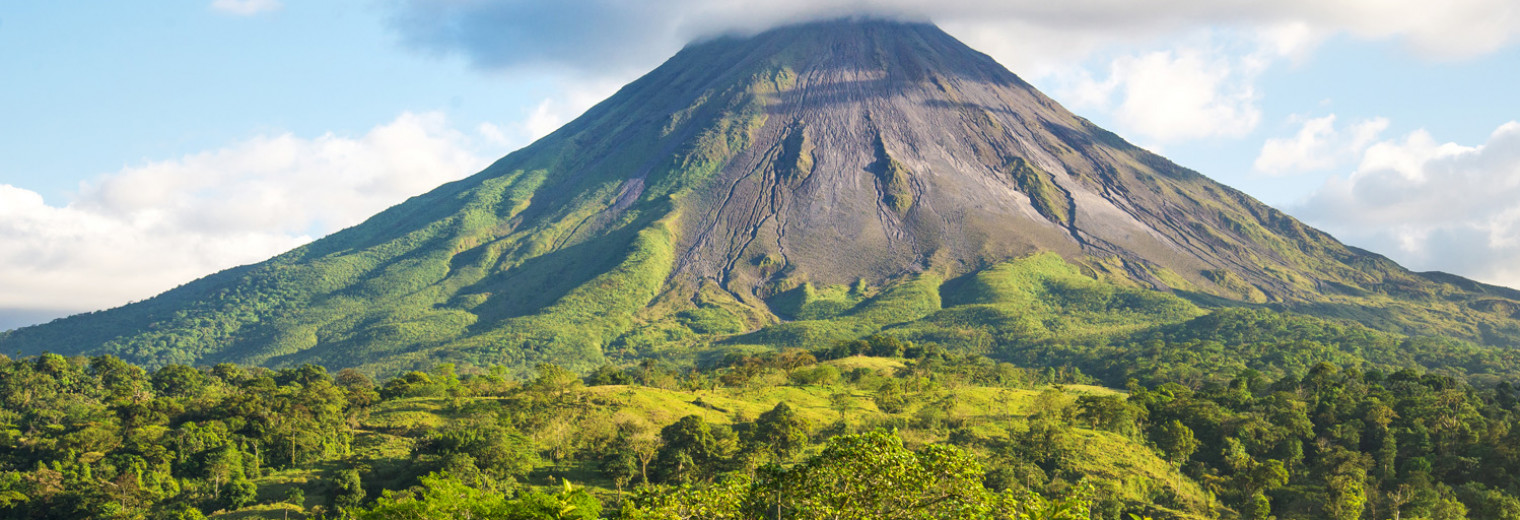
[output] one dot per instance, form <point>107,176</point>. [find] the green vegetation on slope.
<point>1047,198</point>
<point>893,180</point>
<point>908,300</point>
<point>548,254</point>
<point>1041,311</point>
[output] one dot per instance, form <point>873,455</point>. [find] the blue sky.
<point>92,90</point>
<point>147,144</point>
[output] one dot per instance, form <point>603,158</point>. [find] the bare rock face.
<point>847,153</point>
<point>883,149</point>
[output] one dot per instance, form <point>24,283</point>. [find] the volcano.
<point>751,183</point>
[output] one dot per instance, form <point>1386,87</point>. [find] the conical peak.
<point>842,60</point>
<point>859,153</point>
<point>925,155</point>
<point>898,50</point>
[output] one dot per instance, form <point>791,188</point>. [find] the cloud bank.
<point>1194,77</point>
<point>134,233</point>
<point>1432,205</point>
<point>595,34</point>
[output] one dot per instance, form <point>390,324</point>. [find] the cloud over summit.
<point>596,34</point>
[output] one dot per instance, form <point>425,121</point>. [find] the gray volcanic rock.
<point>893,148</point>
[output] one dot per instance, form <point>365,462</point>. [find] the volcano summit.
<point>808,184</point>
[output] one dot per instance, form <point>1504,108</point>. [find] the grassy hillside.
<point>1042,311</point>
<point>1132,471</point>
<point>291,436</point>
<point>97,438</point>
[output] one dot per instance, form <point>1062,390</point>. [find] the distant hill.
<point>808,184</point>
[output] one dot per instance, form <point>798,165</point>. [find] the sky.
<point>146,144</point>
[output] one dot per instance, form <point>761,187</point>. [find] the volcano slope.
<point>808,184</point>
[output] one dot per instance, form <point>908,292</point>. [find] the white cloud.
<point>1432,205</point>
<point>597,34</point>
<point>1176,92</point>
<point>1443,30</point>
<point>1200,88</point>
<point>246,7</point>
<point>1172,96</point>
<point>549,114</point>
<point>494,134</point>
<point>544,119</point>
<point>552,113</point>
<point>144,229</point>
<point>1319,145</point>
<point>1181,89</point>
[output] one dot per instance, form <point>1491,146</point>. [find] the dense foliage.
<point>774,435</point>
<point>1342,444</point>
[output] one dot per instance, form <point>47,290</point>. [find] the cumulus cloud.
<point>1432,205</point>
<point>1190,92</point>
<point>1181,89</point>
<point>246,7</point>
<point>597,34</point>
<point>1318,145</point>
<point>144,229</point>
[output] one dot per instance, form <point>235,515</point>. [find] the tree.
<point>722,500</point>
<point>359,387</point>
<point>780,431</point>
<point>296,496</point>
<point>628,455</point>
<point>891,398</point>
<point>1448,508</point>
<point>348,489</point>
<point>223,467</point>
<point>446,498</point>
<point>1269,475</point>
<point>1347,482</point>
<point>873,475</point>
<point>178,381</point>
<point>692,451</point>
<point>181,511</point>
<point>886,346</point>
<point>608,375</point>
<point>120,380</point>
<point>1253,478</point>
<point>1258,507</point>
<point>501,451</point>
<point>1176,440</point>
<point>240,492</point>
<point>554,380</point>
<point>1107,412</point>
<point>53,365</point>
<point>823,375</point>
<point>410,384</point>
<point>436,498</point>
<point>228,373</point>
